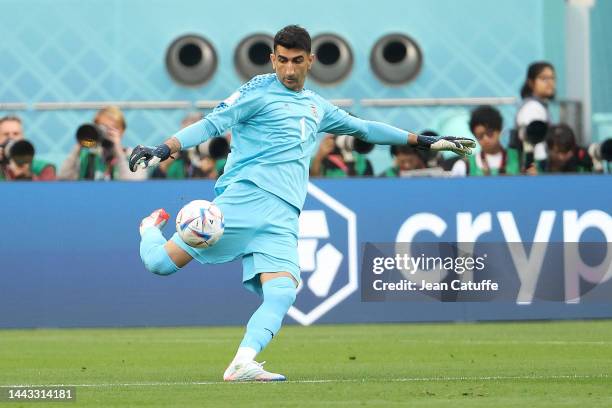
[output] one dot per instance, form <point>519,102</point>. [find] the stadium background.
<point>70,51</point>
<point>74,295</point>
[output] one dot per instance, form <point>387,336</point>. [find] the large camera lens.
<point>21,152</point>
<point>349,143</point>
<point>218,148</point>
<point>606,150</point>
<point>91,135</point>
<point>362,146</point>
<point>536,132</point>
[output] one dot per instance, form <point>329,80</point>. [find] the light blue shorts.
<point>260,228</point>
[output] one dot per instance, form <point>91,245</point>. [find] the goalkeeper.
<point>275,122</point>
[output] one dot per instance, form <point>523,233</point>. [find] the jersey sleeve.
<point>238,107</point>
<point>339,122</point>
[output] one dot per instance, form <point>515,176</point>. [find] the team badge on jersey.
<point>313,107</point>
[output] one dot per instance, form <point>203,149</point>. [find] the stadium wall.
<point>601,69</point>
<point>113,50</point>
<point>69,251</point>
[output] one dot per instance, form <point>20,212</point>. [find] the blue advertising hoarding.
<point>69,251</point>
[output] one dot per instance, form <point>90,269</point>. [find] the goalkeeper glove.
<point>144,156</point>
<point>459,145</point>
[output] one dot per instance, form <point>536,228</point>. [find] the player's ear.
<point>311,59</point>
<point>273,60</point>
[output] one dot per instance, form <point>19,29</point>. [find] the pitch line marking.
<point>513,342</point>
<point>324,381</point>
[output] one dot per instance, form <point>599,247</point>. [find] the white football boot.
<point>250,371</point>
<point>157,219</point>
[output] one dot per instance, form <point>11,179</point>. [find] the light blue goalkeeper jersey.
<point>274,132</point>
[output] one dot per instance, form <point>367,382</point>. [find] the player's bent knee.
<point>281,290</point>
<point>286,296</point>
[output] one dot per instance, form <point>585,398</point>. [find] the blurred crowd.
<point>536,146</point>
<point>99,154</point>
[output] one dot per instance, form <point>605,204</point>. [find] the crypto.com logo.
<point>324,263</point>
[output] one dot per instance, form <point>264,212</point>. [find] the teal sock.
<point>153,253</point>
<point>278,296</point>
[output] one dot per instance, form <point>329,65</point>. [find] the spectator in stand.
<point>17,165</point>
<point>432,158</point>
<point>564,155</point>
<point>336,158</point>
<point>205,161</point>
<point>11,131</point>
<point>11,128</point>
<point>105,158</point>
<point>210,157</point>
<point>486,124</point>
<point>537,91</point>
<point>405,159</point>
<point>180,167</point>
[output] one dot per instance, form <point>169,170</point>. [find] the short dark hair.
<point>21,152</point>
<point>293,36</point>
<point>487,116</point>
<point>408,150</point>
<point>562,137</point>
<point>10,118</point>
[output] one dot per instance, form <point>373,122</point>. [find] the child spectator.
<point>405,158</point>
<point>564,155</point>
<point>486,125</point>
<point>335,159</point>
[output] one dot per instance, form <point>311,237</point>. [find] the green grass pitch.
<point>534,364</point>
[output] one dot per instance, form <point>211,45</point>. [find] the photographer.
<point>210,157</point>
<point>178,167</point>
<point>99,154</point>
<point>564,155</point>
<point>17,163</point>
<point>406,159</point>
<point>601,153</point>
<point>341,156</point>
<point>11,131</point>
<point>206,160</point>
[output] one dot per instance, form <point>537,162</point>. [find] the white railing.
<point>211,103</point>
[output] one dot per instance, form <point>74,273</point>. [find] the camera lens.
<point>88,135</point>
<point>91,135</point>
<point>21,152</point>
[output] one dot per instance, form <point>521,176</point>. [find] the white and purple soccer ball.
<point>200,224</point>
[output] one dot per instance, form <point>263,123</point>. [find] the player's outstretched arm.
<point>337,121</point>
<point>381,133</point>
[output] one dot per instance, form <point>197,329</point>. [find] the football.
<point>200,224</point>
